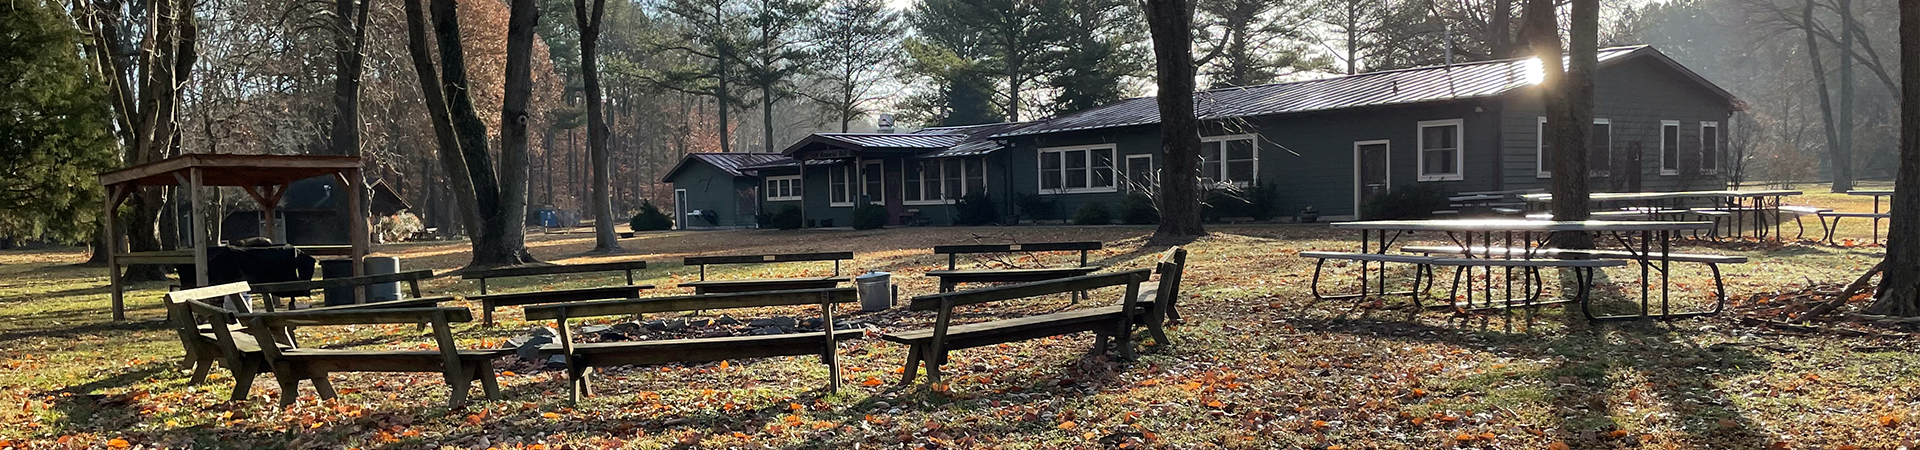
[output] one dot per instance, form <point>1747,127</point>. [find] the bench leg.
<point>201,367</point>
<point>1124,338</point>
<point>1099,344</point>
<point>488,384</point>
<point>289,388</point>
<point>913,365</point>
<point>243,378</point>
<point>486,312</point>
<point>460,382</point>
<point>322,386</point>
<point>933,366</point>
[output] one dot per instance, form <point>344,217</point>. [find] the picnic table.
<point>1648,244</point>
<point>1761,208</point>
<point>1877,215</point>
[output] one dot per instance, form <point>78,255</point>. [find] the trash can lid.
<point>871,275</point>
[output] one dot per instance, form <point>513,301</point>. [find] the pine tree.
<point>1017,41</point>
<point>1096,62</point>
<point>962,93</point>
<point>1249,42</point>
<point>858,43</point>
<point>54,116</point>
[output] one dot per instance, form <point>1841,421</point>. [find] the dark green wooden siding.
<point>709,188</point>
<point>1635,96</point>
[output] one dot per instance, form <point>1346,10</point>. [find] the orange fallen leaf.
<point>119,443</point>
<point>872,381</point>
<point>1067,425</point>
<point>1889,421</point>
<point>1617,433</point>
<point>1557,445</point>
<point>1418,392</point>
<point>550,415</point>
<point>1465,437</point>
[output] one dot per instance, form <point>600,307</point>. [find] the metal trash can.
<point>876,290</point>
<point>382,265</point>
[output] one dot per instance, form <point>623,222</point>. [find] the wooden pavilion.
<point>263,177</point>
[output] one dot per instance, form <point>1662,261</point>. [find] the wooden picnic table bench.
<point>201,338</point>
<point>581,356</point>
<point>481,276</point>
<point>1712,262</point>
<point>954,276</point>
<point>292,363</point>
<point>1799,211</point>
<point>706,286</point>
<point>273,292</point>
<point>1107,322</point>
<point>489,301</point>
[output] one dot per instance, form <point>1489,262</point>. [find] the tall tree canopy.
<point>1017,41</point>
<point>54,116</point>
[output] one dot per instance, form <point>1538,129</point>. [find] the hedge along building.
<point>1328,144</point>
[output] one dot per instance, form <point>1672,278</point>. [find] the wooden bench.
<point>482,276</point>
<point>273,292</point>
<point>1108,322</point>
<point>489,301</point>
<point>1421,272</point>
<point>705,286</point>
<point>953,276</point>
<point>582,356</point>
<point>187,309</point>
<point>292,364</point>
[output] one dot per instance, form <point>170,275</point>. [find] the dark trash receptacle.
<point>337,268</point>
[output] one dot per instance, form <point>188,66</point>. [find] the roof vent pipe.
<point>885,124</point>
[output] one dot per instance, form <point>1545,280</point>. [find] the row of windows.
<point>1600,148</point>
<point>1231,159</point>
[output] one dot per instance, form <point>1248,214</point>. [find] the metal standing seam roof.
<point>734,164</point>
<point>1416,85</point>
<point>889,140</point>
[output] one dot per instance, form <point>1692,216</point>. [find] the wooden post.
<point>350,182</point>
<point>196,214</point>
<point>111,245</point>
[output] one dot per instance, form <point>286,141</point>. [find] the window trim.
<point>875,199</point>
<point>1664,171</point>
<point>1717,146</point>
<point>853,177</point>
<point>1223,156</point>
<point>941,178</point>
<point>793,181</point>
<point>1126,164</point>
<point>1594,171</point>
<point>1038,170</point>
<point>1540,169</point>
<point>1459,150</point>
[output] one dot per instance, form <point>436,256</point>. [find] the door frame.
<point>680,209</point>
<point>1357,186</point>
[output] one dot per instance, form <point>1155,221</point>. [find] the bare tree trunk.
<point>1842,173</point>
<point>451,159</point>
<point>604,240</point>
<point>1572,118</point>
<point>721,96</point>
<point>350,39</point>
<point>1500,24</point>
<point>1171,23</point>
<point>490,248</point>
<point>1843,155</point>
<point>522,18</point>
<point>1900,283</point>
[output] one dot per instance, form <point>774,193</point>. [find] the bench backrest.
<point>1171,266</point>
<point>953,251</point>
<point>563,311</point>
<point>948,300</point>
<point>186,321</point>
<point>704,261</point>
<point>556,269</point>
<point>274,291</point>
<point>276,326</point>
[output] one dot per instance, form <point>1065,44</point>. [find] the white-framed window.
<point>1599,149</point>
<point>1669,147</point>
<point>1234,159</point>
<point>1140,173</point>
<point>1440,150</point>
<point>783,188</point>
<point>873,181</point>
<point>1709,147</point>
<point>1077,169</point>
<point>840,185</point>
<point>940,181</point>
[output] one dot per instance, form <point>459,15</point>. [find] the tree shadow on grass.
<point>1668,381</point>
